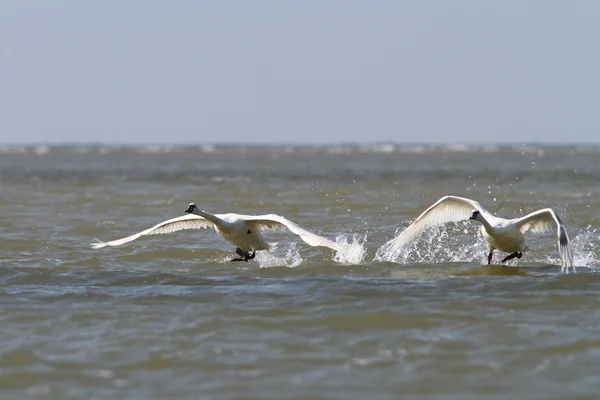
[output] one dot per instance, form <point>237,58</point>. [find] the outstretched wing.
<point>540,221</point>
<point>188,221</point>
<point>544,221</point>
<point>447,209</point>
<point>277,222</point>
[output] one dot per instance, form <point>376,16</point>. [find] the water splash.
<point>353,249</point>
<point>280,257</point>
<point>460,243</point>
<point>447,243</point>
<point>585,253</point>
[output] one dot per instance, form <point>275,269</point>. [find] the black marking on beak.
<point>249,232</point>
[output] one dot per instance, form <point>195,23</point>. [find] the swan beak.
<point>190,208</point>
<point>472,217</point>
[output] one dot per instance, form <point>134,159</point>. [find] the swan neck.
<point>485,223</point>
<point>212,218</point>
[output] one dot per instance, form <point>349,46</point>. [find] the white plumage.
<point>244,231</point>
<point>506,235</point>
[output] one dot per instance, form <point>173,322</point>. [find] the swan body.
<point>244,231</point>
<point>506,235</point>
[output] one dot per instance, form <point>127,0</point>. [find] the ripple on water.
<point>168,316</point>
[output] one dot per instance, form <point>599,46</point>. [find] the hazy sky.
<point>299,71</point>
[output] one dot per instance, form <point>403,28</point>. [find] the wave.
<point>343,148</point>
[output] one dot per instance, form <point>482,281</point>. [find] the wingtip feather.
<point>566,251</point>
<point>99,244</point>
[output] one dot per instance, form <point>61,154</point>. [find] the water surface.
<point>168,316</point>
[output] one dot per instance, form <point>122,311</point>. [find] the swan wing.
<point>447,209</point>
<point>277,222</point>
<point>188,221</point>
<point>540,221</point>
<point>544,221</point>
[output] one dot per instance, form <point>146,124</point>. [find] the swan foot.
<point>513,255</point>
<point>244,255</point>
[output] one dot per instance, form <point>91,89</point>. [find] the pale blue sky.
<point>310,71</point>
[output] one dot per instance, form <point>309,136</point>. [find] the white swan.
<point>506,235</point>
<point>244,231</point>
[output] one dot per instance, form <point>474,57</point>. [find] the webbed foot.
<point>516,254</point>
<point>244,255</point>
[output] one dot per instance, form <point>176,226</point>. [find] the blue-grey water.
<point>169,317</point>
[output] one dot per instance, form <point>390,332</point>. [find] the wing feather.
<point>544,221</point>
<point>277,222</point>
<point>447,209</point>
<point>540,221</point>
<point>188,221</point>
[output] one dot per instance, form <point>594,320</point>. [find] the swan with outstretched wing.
<point>506,235</point>
<point>244,231</point>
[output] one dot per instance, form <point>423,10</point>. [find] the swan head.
<point>191,208</point>
<point>476,216</point>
